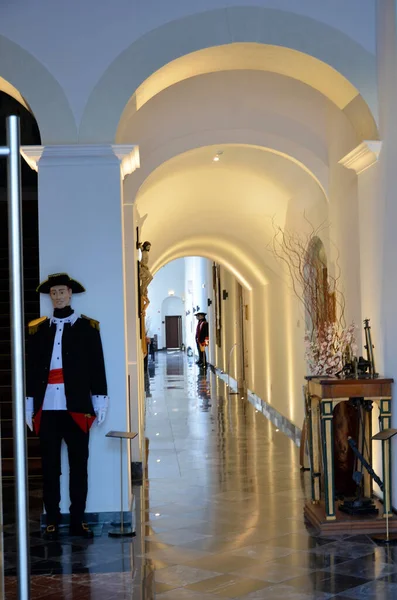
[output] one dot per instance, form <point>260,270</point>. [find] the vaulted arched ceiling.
<point>224,210</point>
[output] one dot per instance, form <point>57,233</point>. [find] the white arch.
<point>305,158</point>
<point>39,91</point>
<point>248,269</point>
<point>223,27</point>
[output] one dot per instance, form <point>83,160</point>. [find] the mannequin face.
<point>61,296</point>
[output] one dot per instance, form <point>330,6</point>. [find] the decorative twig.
<point>318,290</point>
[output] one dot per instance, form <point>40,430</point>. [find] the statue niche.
<point>145,277</point>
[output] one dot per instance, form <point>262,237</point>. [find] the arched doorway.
<point>212,181</point>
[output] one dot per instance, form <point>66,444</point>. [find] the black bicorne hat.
<point>60,279</point>
<point>201,313</point>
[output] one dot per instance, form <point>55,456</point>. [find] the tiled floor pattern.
<point>220,515</point>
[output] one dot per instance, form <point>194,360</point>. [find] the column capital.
<point>363,156</point>
<point>79,154</point>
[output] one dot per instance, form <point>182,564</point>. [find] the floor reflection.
<point>219,515</point>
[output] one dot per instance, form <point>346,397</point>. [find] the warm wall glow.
<point>251,336</point>
<point>289,344</point>
<point>267,351</point>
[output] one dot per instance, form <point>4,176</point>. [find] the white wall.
<point>195,294</point>
<point>171,277</point>
<point>85,240</point>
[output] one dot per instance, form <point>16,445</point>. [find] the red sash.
<point>55,376</point>
<point>84,421</point>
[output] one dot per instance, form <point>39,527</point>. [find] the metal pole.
<point>121,484</point>
<point>18,355</point>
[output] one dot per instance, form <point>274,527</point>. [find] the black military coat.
<point>82,362</point>
<point>202,332</point>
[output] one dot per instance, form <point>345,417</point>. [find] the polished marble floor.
<point>220,514</point>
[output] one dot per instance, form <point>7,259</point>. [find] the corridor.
<point>219,516</point>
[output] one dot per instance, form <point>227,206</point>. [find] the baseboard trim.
<point>93,518</point>
<point>137,473</point>
<point>279,421</point>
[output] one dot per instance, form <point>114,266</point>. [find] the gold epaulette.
<point>93,322</point>
<point>33,326</point>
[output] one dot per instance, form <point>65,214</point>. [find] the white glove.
<point>100,415</point>
<point>29,419</point>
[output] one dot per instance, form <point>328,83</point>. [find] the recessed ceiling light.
<point>217,156</point>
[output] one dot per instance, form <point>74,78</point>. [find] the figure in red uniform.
<point>202,339</point>
<point>66,391</point>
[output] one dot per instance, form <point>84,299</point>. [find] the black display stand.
<point>124,530</point>
<point>385,539</point>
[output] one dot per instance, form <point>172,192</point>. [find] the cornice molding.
<point>32,155</point>
<point>362,157</point>
<point>79,154</point>
<point>128,156</point>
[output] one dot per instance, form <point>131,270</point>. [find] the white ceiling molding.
<point>127,154</point>
<point>362,157</point>
<point>32,155</point>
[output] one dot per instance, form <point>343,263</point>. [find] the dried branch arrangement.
<point>327,338</point>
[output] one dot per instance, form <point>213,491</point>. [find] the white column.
<point>81,232</point>
<point>387,206</point>
<point>375,165</point>
<point>386,197</point>
<point>364,161</point>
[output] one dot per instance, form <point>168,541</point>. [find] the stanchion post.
<point>18,354</point>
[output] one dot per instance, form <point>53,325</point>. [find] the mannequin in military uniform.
<point>66,391</point>
<point>202,338</point>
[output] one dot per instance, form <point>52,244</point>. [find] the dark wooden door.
<point>173,332</point>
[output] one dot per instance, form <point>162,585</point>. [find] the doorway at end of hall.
<point>173,332</point>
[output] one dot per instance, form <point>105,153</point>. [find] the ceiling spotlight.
<point>217,156</point>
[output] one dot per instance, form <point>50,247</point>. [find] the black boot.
<point>51,532</point>
<point>81,530</point>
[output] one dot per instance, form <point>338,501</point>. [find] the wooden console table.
<point>323,394</point>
